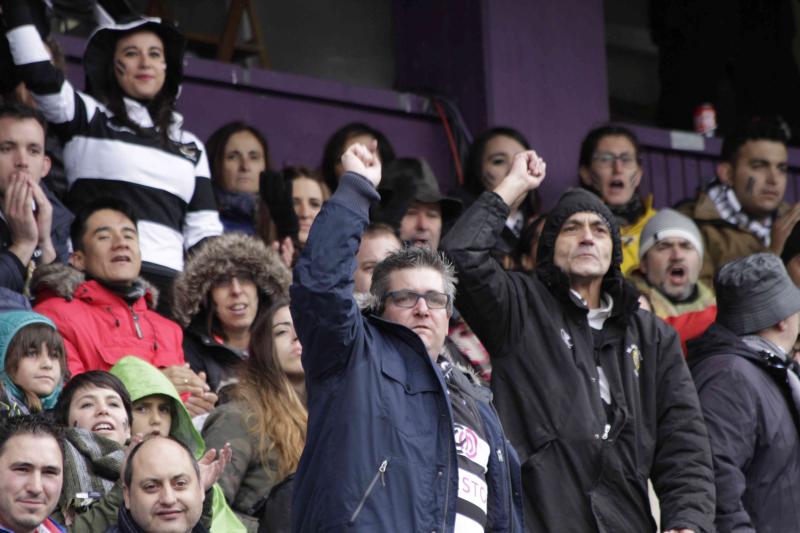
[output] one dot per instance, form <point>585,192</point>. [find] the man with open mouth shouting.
<point>671,254</point>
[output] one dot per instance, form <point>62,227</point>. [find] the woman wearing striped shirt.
<point>122,137</point>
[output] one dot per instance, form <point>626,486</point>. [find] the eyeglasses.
<point>408,299</point>
<point>607,159</point>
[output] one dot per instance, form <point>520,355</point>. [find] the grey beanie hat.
<point>754,293</point>
<point>669,223</point>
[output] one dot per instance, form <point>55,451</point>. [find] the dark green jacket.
<point>245,481</point>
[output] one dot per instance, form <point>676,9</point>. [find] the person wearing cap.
<point>742,212</point>
<point>670,258</point>
<point>750,394</point>
<point>593,392</point>
<point>413,203</point>
<point>123,137</point>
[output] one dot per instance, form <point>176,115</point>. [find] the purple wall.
<point>536,66</point>
<point>297,113</point>
<point>546,75</point>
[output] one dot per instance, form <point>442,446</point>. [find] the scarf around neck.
<point>730,210</point>
<point>91,467</point>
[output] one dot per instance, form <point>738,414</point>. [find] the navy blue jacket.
<point>753,425</point>
<point>380,453</point>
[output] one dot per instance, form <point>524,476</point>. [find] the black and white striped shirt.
<point>168,187</point>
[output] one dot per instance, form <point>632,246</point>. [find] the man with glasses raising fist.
<point>399,439</point>
<point>609,166</point>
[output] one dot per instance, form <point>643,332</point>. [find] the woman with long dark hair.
<point>488,162</point>
<point>266,420</point>
<point>123,137</point>
<point>238,153</point>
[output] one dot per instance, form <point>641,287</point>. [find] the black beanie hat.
<point>573,201</point>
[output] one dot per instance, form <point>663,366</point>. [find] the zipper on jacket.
<point>378,475</point>
<point>447,482</point>
<point>510,484</point>
<point>136,323</point>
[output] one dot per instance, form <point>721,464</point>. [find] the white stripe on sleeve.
<point>26,45</point>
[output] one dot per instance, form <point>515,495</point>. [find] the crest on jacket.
<point>635,354</point>
<point>566,338</point>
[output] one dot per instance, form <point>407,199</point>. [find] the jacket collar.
<point>462,378</point>
<point>140,115</point>
<point>64,281</point>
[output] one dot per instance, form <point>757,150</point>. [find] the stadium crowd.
<point>193,340</point>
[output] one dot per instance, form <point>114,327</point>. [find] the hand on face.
<point>18,210</point>
<point>782,227</point>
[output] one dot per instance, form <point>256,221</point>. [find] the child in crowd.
<point>32,363</point>
<point>157,409</point>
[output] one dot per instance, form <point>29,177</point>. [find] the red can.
<point>705,119</point>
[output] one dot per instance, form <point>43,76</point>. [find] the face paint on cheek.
<point>751,182</point>
<point>490,181</point>
<point>120,68</point>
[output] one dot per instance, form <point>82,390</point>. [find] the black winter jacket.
<point>576,476</point>
<point>752,424</point>
<point>204,354</point>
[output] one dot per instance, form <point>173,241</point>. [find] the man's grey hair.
<point>405,259</point>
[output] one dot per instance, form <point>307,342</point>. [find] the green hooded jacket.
<point>143,379</point>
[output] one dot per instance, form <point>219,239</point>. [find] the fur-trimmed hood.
<point>61,280</point>
<point>221,257</point>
